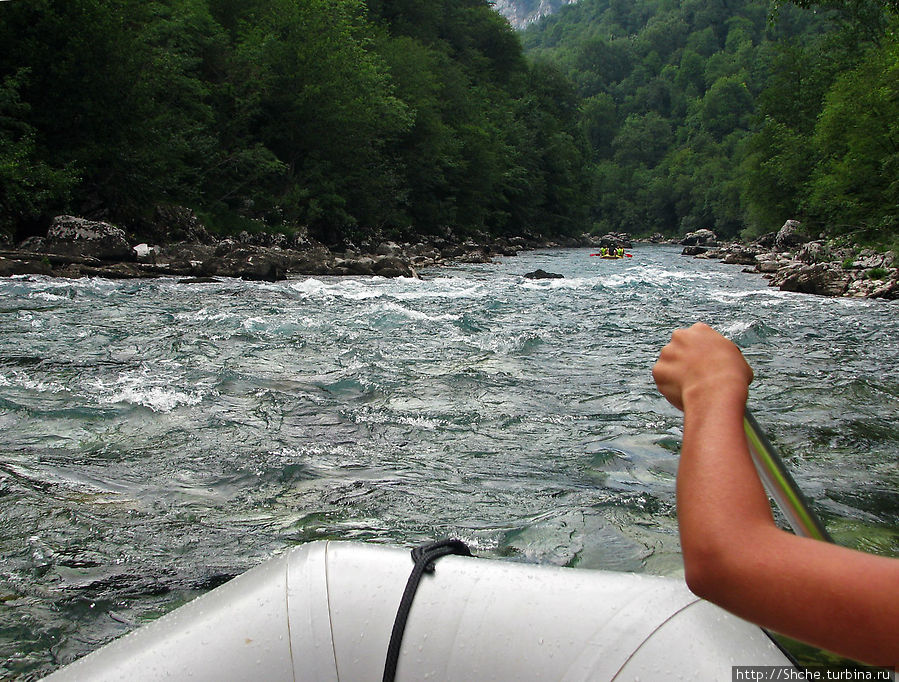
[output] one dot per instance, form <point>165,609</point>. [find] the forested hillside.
<point>735,114</point>
<point>358,120</point>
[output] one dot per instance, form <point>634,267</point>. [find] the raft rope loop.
<point>424,558</point>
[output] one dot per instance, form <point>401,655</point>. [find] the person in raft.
<point>832,597</point>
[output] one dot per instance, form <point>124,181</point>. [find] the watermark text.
<point>766,673</point>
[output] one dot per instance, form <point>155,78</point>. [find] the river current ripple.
<point>159,438</point>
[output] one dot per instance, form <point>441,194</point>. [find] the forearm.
<point>720,499</point>
<point>735,555</point>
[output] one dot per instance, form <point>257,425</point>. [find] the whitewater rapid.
<point>157,438</point>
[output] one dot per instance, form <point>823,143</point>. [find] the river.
<point>159,438</point>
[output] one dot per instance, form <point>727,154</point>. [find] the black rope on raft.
<point>424,558</point>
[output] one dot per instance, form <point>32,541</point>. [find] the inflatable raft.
<point>324,611</point>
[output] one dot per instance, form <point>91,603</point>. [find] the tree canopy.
<point>362,120</point>
<point>355,120</point>
<point>734,115</point>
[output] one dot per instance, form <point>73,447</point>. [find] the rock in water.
<point>543,274</point>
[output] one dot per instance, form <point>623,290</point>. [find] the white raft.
<point>324,611</point>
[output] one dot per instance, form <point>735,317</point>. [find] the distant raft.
<point>325,610</point>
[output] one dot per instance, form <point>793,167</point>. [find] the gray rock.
<point>231,259</point>
<point>769,263</point>
<point>694,251</point>
<point>615,240</point>
<point>543,274</point>
<point>78,237</point>
<point>823,279</point>
<point>766,241</point>
<point>391,266</point>
<point>360,265</point>
<point>868,259</point>
<point>813,252</point>
<point>16,266</point>
<point>740,257</point>
<point>389,249</point>
<point>889,288</point>
<point>34,244</point>
<point>790,235</point>
<point>700,238</point>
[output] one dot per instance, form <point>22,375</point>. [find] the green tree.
<point>727,106</point>
<point>325,108</point>
<point>857,136</point>
<point>599,123</point>
<point>28,186</point>
<point>775,169</point>
<point>643,139</point>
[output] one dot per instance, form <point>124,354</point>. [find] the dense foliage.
<point>735,114</point>
<point>356,120</point>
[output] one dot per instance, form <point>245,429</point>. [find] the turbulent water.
<point>157,438</point>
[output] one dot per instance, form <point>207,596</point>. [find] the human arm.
<point>734,554</point>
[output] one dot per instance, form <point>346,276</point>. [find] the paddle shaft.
<point>780,485</point>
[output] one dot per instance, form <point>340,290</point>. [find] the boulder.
<point>769,263</point>
<point>246,262</point>
<point>79,237</point>
<point>469,252</point>
<point>316,260</point>
<point>425,250</point>
<point>887,288</point>
<point>868,259</point>
<point>740,256</point>
<point>790,236</point>
<point>700,238</point>
<point>813,252</point>
<point>33,244</point>
<point>543,274</point>
<point>874,283</point>
<point>766,241</point>
<point>694,251</point>
<point>30,266</point>
<point>615,240</point>
<point>359,265</point>
<point>823,279</point>
<point>388,249</point>
<point>144,253</point>
<point>391,266</point>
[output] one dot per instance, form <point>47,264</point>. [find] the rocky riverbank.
<point>180,246</point>
<point>794,261</point>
